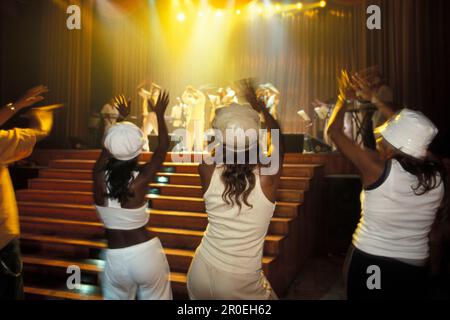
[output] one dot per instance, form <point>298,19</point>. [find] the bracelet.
<point>11,107</point>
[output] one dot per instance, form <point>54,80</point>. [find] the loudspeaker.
<point>293,143</point>
<point>342,211</point>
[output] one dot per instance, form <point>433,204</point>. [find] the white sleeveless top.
<point>115,217</point>
<point>234,239</point>
<point>395,222</point>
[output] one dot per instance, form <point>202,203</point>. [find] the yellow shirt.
<point>15,144</point>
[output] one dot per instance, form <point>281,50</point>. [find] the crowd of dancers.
<point>402,199</point>
<point>194,111</point>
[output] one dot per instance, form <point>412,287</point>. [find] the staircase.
<point>60,228</point>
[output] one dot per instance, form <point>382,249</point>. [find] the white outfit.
<point>195,126</point>
<point>141,270</point>
<point>395,222</point>
<point>228,262</point>
<point>149,119</point>
<point>110,114</point>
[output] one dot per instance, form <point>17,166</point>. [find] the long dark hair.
<point>239,180</point>
<point>119,175</point>
<point>430,172</point>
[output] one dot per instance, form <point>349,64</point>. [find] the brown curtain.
<point>299,54</point>
<point>413,50</point>
<point>65,66</point>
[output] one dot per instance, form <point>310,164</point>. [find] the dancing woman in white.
<point>240,203</point>
<point>403,190</point>
<point>136,266</point>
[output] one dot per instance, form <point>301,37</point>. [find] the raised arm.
<point>150,169</point>
<point>368,162</point>
<point>366,90</point>
<point>248,88</point>
<point>31,97</point>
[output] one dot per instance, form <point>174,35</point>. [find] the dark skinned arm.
<point>367,162</point>
<point>149,170</point>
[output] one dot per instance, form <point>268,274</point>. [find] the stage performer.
<point>16,144</point>
<point>195,124</point>
<point>109,114</point>
<point>149,120</point>
<point>403,190</point>
<point>240,203</point>
<point>136,266</point>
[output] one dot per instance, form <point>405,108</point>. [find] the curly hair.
<point>119,175</point>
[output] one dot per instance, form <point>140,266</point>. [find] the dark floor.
<point>320,279</point>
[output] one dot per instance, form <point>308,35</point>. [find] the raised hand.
<point>122,105</point>
<point>161,104</point>
<point>247,87</point>
<point>31,97</point>
<point>346,88</point>
<point>364,88</point>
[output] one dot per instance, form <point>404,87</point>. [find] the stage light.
<point>323,4</point>
<point>238,12</point>
<point>219,13</point>
<point>200,14</point>
<point>260,10</point>
<point>278,7</point>
<point>299,6</point>
<point>181,16</point>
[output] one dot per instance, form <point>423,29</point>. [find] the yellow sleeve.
<point>16,144</point>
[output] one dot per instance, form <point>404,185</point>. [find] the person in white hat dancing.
<point>136,265</point>
<point>403,190</point>
<point>240,202</point>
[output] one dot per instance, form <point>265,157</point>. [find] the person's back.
<point>396,220</point>
<point>135,265</point>
<point>234,238</point>
<point>240,202</point>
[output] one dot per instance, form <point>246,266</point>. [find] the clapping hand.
<point>346,87</point>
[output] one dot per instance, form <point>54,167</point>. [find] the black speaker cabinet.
<point>293,143</point>
<point>342,211</point>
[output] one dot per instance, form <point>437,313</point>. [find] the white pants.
<point>139,271</point>
<point>195,135</point>
<point>206,282</point>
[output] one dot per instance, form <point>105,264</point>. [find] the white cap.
<point>238,119</point>
<point>124,141</point>
<point>410,132</point>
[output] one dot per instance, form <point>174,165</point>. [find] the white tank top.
<point>395,222</point>
<point>234,239</point>
<point>115,217</point>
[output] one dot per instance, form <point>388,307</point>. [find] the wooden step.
<point>289,158</point>
<point>71,248</point>
<point>42,291</point>
<point>298,183</point>
<point>56,269</point>
<point>159,218</point>
<point>170,237</point>
<point>282,209</point>
<point>291,170</point>
<point>159,202</point>
<point>284,195</point>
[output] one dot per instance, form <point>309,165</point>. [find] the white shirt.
<point>395,222</point>
<point>234,239</point>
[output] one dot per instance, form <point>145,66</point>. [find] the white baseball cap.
<point>235,120</point>
<point>410,132</point>
<point>124,141</point>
